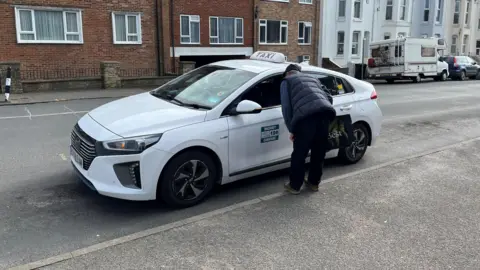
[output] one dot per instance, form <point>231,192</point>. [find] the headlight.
<point>132,145</point>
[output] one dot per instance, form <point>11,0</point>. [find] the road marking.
<point>41,115</point>
<point>211,214</point>
<point>63,157</point>
<point>29,113</point>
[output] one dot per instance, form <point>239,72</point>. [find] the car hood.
<point>144,114</point>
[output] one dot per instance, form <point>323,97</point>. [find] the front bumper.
<point>102,178</point>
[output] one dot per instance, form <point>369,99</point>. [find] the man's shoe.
<point>310,186</point>
<point>290,190</point>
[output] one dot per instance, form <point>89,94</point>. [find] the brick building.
<point>72,34</point>
<point>206,31</point>
<point>288,26</point>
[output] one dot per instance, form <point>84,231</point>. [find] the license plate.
<point>76,157</point>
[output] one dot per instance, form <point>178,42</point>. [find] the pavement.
<point>420,213</point>
<point>57,96</point>
<point>47,213</point>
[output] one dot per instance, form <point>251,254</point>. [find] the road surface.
<point>45,211</point>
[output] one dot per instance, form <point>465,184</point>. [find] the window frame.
<point>303,30</point>
<point>426,11</point>
<point>240,97</point>
<point>344,82</point>
<point>403,10</point>
<point>465,41</point>
<point>359,2</point>
<point>454,44</point>
<point>138,18</point>
<point>32,9</point>
<point>305,2</point>
<point>190,29</point>
<point>387,34</point>
<point>236,19</point>
<point>356,42</point>
<point>456,4</point>
<point>343,43</point>
<point>468,7</point>
<point>389,4</point>
<point>344,9</point>
<point>438,12</point>
<point>264,23</point>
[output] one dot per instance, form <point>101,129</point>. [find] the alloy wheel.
<point>359,145</point>
<point>190,180</point>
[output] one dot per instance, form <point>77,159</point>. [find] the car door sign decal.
<point>269,133</point>
<point>340,132</point>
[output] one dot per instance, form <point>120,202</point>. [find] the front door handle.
<point>346,108</point>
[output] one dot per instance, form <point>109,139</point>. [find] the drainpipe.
<point>172,36</point>
<point>159,33</point>
<point>254,25</point>
<point>319,24</point>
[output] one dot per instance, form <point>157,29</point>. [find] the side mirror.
<point>248,107</point>
<point>474,63</point>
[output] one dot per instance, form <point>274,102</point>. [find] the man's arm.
<point>286,105</point>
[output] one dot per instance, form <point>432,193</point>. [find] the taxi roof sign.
<point>273,57</point>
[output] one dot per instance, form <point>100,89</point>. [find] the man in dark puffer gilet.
<point>308,111</point>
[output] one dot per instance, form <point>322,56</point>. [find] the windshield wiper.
<point>170,97</point>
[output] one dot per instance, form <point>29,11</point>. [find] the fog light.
<point>129,174</point>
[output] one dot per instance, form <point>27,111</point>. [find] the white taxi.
<point>216,124</point>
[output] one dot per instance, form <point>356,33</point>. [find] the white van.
<point>407,58</point>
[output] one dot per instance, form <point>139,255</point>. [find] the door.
<point>471,69</point>
<point>259,140</point>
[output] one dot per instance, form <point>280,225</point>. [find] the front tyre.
<point>187,179</point>
<point>356,151</point>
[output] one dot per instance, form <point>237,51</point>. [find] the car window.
<point>334,84</point>
<point>266,92</point>
<point>470,60</point>
<point>206,86</point>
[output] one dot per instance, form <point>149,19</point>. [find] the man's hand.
<point>292,137</point>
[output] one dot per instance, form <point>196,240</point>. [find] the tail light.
<point>371,62</point>
<point>455,64</point>
<point>374,95</point>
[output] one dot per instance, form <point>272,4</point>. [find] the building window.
<point>424,35</point>
<point>305,1</point>
<point>467,12</point>
<point>478,48</point>
<point>438,16</point>
<point>389,10</point>
<point>303,58</point>
<point>386,36</point>
<point>189,29</point>
<point>403,10</point>
<point>453,47</point>
<point>342,6</point>
<point>273,32</point>
<point>355,42</point>
<point>37,25</point>
<point>126,28</point>
<point>226,30</point>
<point>340,42</point>
<point>357,9</point>
<point>478,27</point>
<point>464,44</point>
<point>456,13</point>
<point>402,34</point>
<point>426,11</point>
<point>304,32</point>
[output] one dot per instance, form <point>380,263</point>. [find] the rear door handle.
<point>346,108</point>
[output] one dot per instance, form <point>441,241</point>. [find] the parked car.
<point>462,67</point>
<point>216,124</point>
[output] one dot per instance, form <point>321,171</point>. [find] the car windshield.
<point>204,87</point>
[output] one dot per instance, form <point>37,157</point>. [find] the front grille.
<point>84,145</point>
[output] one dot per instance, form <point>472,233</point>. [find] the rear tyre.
<point>187,179</point>
<point>417,79</point>
<point>357,150</point>
<point>443,77</point>
<point>390,81</point>
<point>462,76</point>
